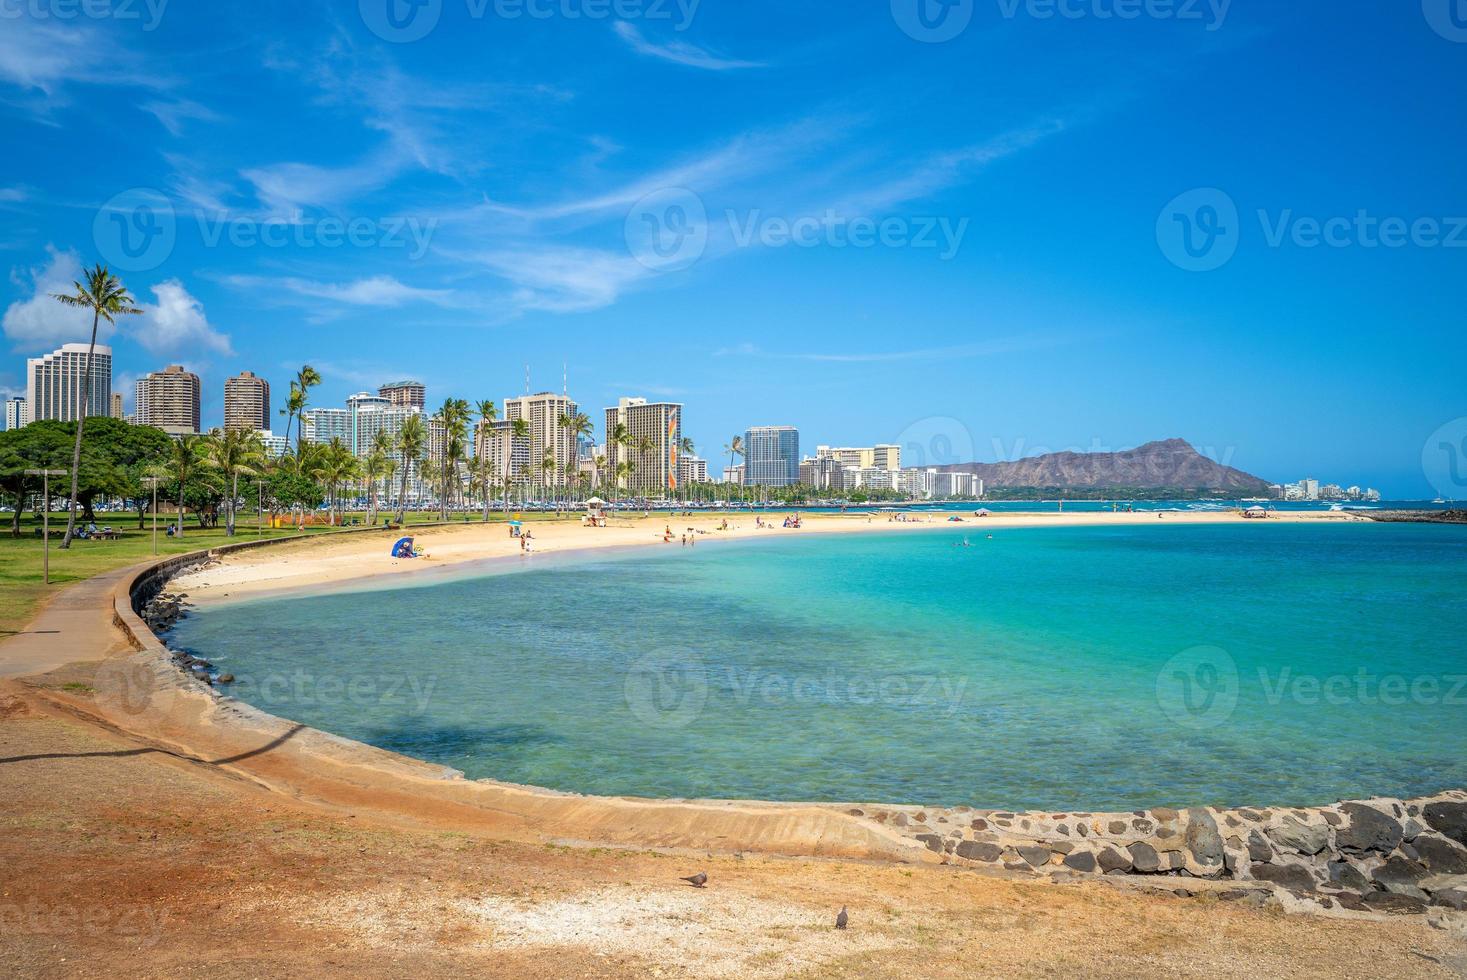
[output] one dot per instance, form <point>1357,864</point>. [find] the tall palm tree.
<point>519,430</point>
<point>453,418</point>
<point>234,453</point>
<point>185,456</point>
<point>373,466</point>
<point>410,441</point>
<point>107,299</point>
<point>598,464</point>
<point>547,474</point>
<point>684,448</point>
<point>734,447</point>
<point>336,465</point>
<point>488,414</point>
<point>643,445</point>
<point>580,427</point>
<point>300,395</point>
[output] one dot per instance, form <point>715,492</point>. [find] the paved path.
<point>75,625</point>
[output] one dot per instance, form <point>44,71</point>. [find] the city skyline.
<point>452,207</point>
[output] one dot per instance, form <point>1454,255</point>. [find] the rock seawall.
<point>1377,855</point>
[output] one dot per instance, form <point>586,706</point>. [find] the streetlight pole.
<point>259,507</point>
<point>45,476</point>
<point>152,482</point>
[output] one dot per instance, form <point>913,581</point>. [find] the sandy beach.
<point>319,565</point>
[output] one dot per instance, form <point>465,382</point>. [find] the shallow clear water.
<point>1084,668</point>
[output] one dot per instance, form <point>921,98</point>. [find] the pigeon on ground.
<point>698,880</point>
<point>842,919</point>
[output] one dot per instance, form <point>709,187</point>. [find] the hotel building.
<point>772,456</point>
<point>661,424</point>
<point>117,404</point>
<point>169,400</point>
<point>547,436</point>
<point>16,414</point>
<point>692,469</point>
<point>405,394</point>
<point>57,389</point>
<point>246,403</point>
<point>883,457</point>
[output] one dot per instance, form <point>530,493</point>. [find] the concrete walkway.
<point>76,625</point>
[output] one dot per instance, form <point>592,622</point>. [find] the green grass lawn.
<point>22,591</point>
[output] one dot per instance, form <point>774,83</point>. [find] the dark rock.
<point>1452,898</point>
<point>1111,859</point>
<point>1117,827</point>
<point>1409,851</point>
<point>1351,901</point>
<point>1203,839</point>
<point>900,820</point>
<point>1332,818</point>
<point>1394,904</point>
<point>1258,847</point>
<point>1448,819</point>
<point>1143,826</point>
<point>1368,830</point>
<point>1346,875</point>
<point>1144,858</point>
<point>1164,814</point>
<point>1172,860</point>
<point>975,850</point>
<point>1400,875</point>
<point>1230,854</point>
<point>1037,855</point>
<point>933,842</point>
<point>1294,877</point>
<point>1062,847</point>
<point>226,678</point>
<point>1062,830</point>
<point>1302,838</point>
<point>856,813</point>
<point>1080,861</point>
<point>980,824</point>
<point>1082,830</point>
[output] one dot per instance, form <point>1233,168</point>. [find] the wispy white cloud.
<point>176,324</point>
<point>678,52</point>
<point>13,195</point>
<point>564,279</point>
<point>174,113</point>
<point>39,322</point>
<point>39,60</point>
<point>376,291</point>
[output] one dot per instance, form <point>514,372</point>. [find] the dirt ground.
<point>121,859</point>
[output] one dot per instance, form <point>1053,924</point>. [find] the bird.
<point>842,919</point>
<point>698,880</point>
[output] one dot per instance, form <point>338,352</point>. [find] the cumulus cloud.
<point>176,323</point>
<point>39,322</point>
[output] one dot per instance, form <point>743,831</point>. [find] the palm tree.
<point>107,298</point>
<point>453,417</point>
<point>372,468</point>
<point>643,445</point>
<point>235,453</point>
<point>684,448</point>
<point>598,463</point>
<point>410,439</point>
<point>488,414</point>
<point>519,429</point>
<point>547,472</point>
<point>336,465</point>
<point>580,427</point>
<point>300,395</point>
<point>185,456</point>
<point>734,447</point>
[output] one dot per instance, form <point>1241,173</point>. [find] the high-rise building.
<point>58,387</point>
<point>547,436</point>
<point>506,455</point>
<point>882,457</point>
<point>274,445</point>
<point>692,469</point>
<point>117,404</point>
<point>15,412</point>
<point>772,456</point>
<point>655,430</point>
<point>321,425</point>
<point>169,400</point>
<point>405,394</point>
<point>246,403</point>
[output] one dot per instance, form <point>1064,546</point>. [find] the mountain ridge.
<point>1162,464</point>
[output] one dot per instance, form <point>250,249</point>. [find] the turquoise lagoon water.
<point>1084,668</point>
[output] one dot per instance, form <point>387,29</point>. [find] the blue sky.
<point>1004,239</point>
